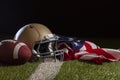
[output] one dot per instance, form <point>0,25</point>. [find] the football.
<point>14,52</point>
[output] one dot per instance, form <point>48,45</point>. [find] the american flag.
<point>86,50</point>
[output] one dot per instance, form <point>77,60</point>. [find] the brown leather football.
<point>14,52</point>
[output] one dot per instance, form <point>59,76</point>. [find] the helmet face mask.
<point>47,48</point>
<point>41,41</point>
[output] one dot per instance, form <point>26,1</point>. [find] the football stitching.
<point>16,50</point>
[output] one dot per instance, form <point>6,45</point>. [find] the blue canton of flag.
<point>73,43</point>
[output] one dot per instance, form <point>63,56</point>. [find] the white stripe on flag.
<point>81,53</point>
<point>83,48</point>
<point>113,52</point>
<point>89,56</point>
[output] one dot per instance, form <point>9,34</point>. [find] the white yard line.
<point>46,70</point>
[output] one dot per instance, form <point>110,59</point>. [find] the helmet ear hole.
<point>31,26</point>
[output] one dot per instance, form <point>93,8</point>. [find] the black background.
<point>71,18</point>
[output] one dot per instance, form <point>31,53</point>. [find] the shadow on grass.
<point>5,64</point>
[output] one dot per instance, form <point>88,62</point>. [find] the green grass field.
<point>81,70</point>
<point>71,70</point>
<point>19,72</point>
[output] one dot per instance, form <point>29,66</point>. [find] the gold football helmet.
<point>40,40</point>
<point>32,32</point>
